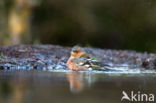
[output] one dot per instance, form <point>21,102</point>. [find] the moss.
<point>2,55</point>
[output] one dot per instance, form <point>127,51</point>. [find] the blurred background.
<point>114,24</point>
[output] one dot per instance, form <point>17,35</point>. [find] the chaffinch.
<point>80,60</point>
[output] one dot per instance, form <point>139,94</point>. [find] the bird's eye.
<point>75,51</point>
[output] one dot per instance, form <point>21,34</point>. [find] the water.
<point>34,86</point>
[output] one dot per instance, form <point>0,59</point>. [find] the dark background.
<point>114,24</point>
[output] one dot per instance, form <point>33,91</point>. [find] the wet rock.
<point>49,57</point>
<point>154,62</point>
<point>149,63</point>
<point>2,68</point>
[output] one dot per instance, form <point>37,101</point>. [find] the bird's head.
<point>77,52</point>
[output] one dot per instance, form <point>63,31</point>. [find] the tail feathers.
<point>101,64</point>
<point>105,69</point>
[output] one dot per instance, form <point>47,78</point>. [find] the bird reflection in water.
<point>79,81</point>
<point>21,88</point>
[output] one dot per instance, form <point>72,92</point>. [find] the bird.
<point>81,60</point>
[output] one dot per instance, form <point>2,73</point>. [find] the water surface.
<point>20,86</point>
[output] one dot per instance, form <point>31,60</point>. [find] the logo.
<point>137,96</point>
